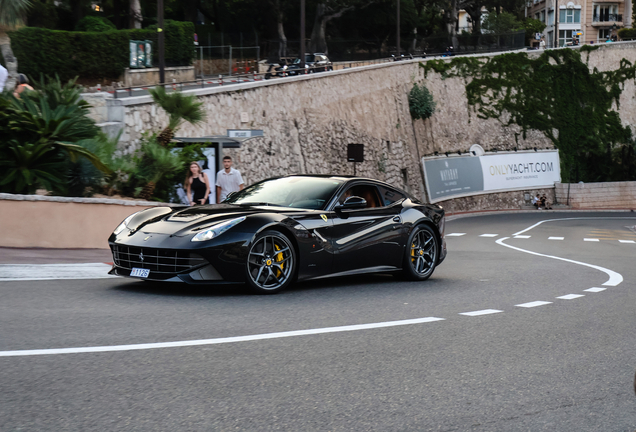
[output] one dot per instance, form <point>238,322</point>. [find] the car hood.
<point>183,220</point>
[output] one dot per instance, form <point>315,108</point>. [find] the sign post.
<point>355,153</point>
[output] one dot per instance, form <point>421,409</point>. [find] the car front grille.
<point>167,261</point>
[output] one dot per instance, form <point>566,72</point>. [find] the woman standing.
<point>197,185</point>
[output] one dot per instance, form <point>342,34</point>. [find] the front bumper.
<point>177,259</point>
<point>169,265</point>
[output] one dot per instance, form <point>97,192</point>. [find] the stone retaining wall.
<point>59,222</point>
<point>309,120</point>
<point>611,195</point>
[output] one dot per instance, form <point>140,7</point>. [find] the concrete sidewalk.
<point>53,256</point>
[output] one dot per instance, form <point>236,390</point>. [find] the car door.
<point>313,233</point>
<point>367,238</point>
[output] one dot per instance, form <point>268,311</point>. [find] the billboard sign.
<point>469,175</point>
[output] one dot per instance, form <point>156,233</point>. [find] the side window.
<point>389,196</point>
<point>368,192</point>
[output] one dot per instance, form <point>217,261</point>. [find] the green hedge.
<point>627,33</point>
<point>92,54</point>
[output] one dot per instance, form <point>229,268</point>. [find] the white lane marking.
<point>481,312</point>
<point>570,296</point>
<point>454,234</point>
<point>533,304</point>
<point>627,241</point>
<point>556,238</point>
<point>489,235</point>
<point>33,272</point>
<point>614,277</point>
<point>216,341</point>
<point>591,239</point>
<point>522,236</point>
<point>595,289</point>
<point>565,219</point>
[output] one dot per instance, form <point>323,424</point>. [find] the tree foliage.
<point>503,22</point>
<point>555,93</point>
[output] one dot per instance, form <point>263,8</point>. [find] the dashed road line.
<point>533,304</point>
<point>571,296</point>
<point>489,235</point>
<point>522,236</point>
<point>566,219</point>
<point>627,241</point>
<point>455,234</point>
<point>481,312</point>
<point>556,238</point>
<point>591,239</point>
<point>595,289</point>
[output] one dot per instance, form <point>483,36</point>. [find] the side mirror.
<point>352,203</point>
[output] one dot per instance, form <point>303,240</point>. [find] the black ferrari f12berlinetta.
<point>282,230</point>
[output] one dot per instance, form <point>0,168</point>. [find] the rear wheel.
<point>421,253</point>
<point>271,263</point>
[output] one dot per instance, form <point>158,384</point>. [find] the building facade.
<point>588,21</point>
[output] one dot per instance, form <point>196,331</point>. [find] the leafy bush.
<point>94,54</point>
<point>421,103</point>
<point>94,24</point>
<point>40,133</point>
<point>627,33</point>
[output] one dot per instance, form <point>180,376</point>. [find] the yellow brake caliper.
<point>413,252</point>
<point>279,258</point>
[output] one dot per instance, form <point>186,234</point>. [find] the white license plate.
<point>139,272</point>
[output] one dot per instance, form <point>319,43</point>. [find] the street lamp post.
<point>302,34</point>
<point>398,28</point>
<point>160,40</point>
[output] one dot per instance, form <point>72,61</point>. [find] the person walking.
<point>228,180</point>
<point>542,44</point>
<point>197,185</point>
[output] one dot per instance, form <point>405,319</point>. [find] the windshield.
<point>299,192</point>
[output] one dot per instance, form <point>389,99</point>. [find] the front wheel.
<point>271,263</point>
<point>421,254</point>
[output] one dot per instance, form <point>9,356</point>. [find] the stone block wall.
<point>610,195</point>
<point>309,120</point>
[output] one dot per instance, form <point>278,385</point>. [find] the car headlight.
<point>217,230</point>
<point>124,224</point>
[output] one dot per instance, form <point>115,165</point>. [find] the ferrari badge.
<point>324,217</point>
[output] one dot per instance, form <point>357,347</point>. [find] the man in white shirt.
<point>228,180</point>
<point>4,74</point>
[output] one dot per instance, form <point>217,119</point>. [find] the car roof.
<point>346,178</point>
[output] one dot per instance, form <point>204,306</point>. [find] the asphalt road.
<point>511,364</point>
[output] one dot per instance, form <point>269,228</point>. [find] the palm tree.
<point>12,14</point>
<point>179,108</point>
<point>158,162</point>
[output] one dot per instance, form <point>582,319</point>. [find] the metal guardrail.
<point>253,76</point>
